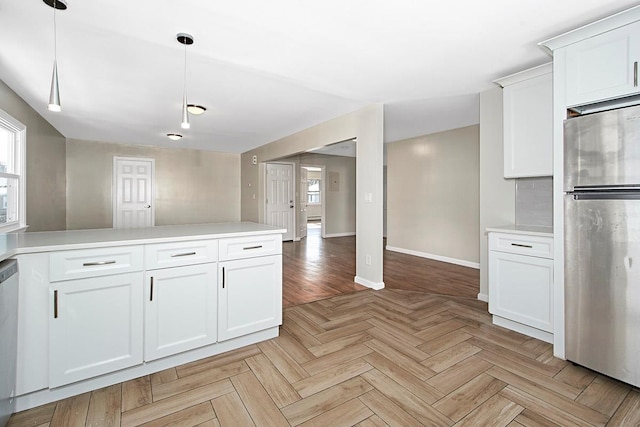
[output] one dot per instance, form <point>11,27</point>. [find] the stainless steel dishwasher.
<point>8,337</point>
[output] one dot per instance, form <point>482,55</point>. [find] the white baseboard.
<point>461,262</point>
<point>349,233</point>
<point>483,297</point>
<point>368,283</point>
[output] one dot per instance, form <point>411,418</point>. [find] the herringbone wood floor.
<point>371,358</point>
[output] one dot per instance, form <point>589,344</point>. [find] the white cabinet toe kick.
<point>89,318</point>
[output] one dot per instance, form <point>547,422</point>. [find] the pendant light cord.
<point>185,70</point>
<point>55,33</point>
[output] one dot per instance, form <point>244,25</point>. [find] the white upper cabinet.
<point>603,67</point>
<point>528,123</point>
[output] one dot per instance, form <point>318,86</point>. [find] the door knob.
<point>147,206</point>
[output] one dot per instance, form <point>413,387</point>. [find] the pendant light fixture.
<point>185,39</point>
<point>54,94</point>
<point>196,109</point>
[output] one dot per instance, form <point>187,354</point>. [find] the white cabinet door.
<point>603,67</point>
<point>181,309</point>
<point>250,295</point>
<point>95,327</point>
<point>528,127</point>
<point>521,289</point>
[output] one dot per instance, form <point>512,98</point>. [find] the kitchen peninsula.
<point>98,307</point>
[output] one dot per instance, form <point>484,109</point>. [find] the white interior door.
<point>280,202</point>
<point>133,192</point>
<point>304,185</point>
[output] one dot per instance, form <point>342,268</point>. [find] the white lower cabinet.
<point>93,317</point>
<point>95,326</point>
<point>522,289</point>
<point>521,283</point>
<point>250,295</point>
<point>181,309</point>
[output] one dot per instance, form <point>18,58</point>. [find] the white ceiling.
<point>266,69</point>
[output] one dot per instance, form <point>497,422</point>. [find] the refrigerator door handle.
<point>608,195</point>
<point>592,188</point>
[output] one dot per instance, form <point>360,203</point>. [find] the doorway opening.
<point>312,200</point>
<point>321,261</point>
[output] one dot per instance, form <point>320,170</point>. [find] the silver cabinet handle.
<point>635,74</point>
<point>252,247</point>
<point>151,290</point>
<point>91,264</point>
<point>223,277</point>
<point>522,246</point>
<point>183,254</point>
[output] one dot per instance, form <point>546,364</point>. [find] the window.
<point>313,191</point>
<point>12,170</point>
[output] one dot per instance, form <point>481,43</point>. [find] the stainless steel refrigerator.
<point>602,242</point>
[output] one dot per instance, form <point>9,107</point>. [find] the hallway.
<point>316,268</point>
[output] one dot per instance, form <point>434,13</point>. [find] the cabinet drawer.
<point>537,246</point>
<point>249,247</point>
<point>66,265</point>
<point>177,254</point>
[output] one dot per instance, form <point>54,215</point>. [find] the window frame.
<point>319,192</point>
<point>19,131</point>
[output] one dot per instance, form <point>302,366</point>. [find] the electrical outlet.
<point>367,259</point>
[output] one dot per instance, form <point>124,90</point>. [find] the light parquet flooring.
<point>373,358</point>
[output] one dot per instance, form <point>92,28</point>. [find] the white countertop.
<point>528,230</point>
<point>20,243</point>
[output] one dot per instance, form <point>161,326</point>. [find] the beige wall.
<point>191,186</point>
<point>497,195</point>
<point>314,211</point>
<point>366,125</point>
<point>46,197</point>
<point>433,195</point>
